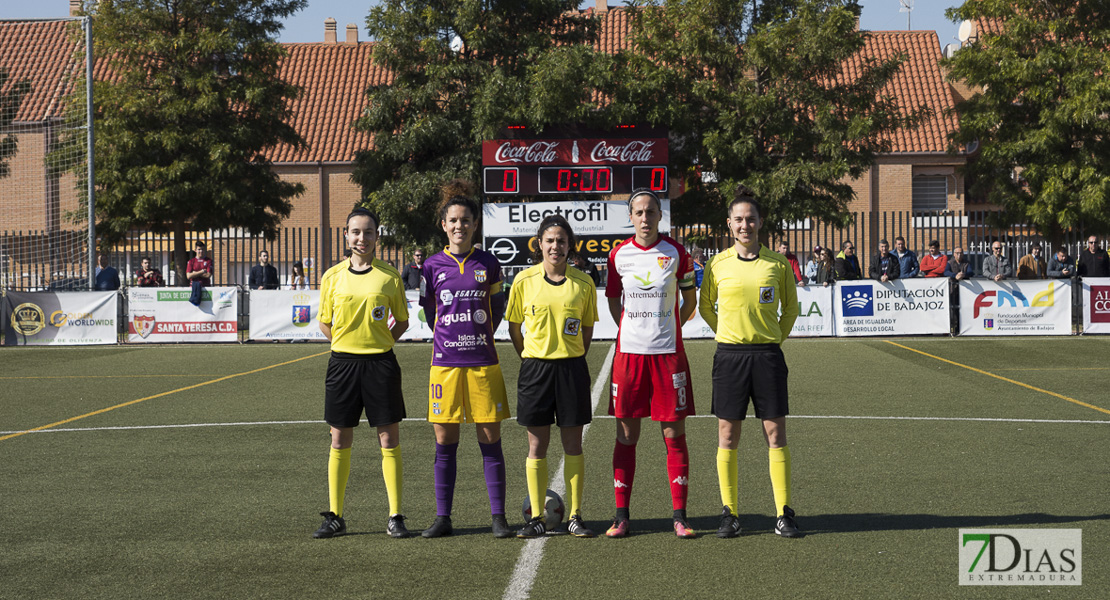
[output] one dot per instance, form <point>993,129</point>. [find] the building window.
<point>930,193</point>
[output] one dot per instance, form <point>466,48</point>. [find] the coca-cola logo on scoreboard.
<point>537,152</point>
<point>632,152</point>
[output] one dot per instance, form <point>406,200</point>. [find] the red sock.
<point>624,471</point>
<point>678,470</point>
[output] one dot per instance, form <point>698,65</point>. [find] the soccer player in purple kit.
<point>460,292</point>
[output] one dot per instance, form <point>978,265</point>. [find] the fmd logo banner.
<point>1021,557</point>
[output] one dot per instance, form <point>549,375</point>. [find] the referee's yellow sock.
<point>391,472</point>
<point>779,459</point>
<point>339,469</point>
<point>574,472</point>
<point>727,478</point>
<point>536,471</point>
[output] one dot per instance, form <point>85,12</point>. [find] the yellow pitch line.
<point>96,376</point>
<point>191,387</point>
<point>999,377</point>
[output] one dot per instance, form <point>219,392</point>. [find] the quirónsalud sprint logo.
<point>1021,557</point>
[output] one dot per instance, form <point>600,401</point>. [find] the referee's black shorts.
<point>363,381</point>
<point>553,391</point>
<point>749,371</point>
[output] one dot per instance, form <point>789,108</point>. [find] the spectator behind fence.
<point>698,257</point>
<point>297,280</point>
<point>934,264</point>
<point>148,276</point>
<point>884,265</point>
<point>411,273</point>
<point>263,275</point>
<point>784,249</point>
<point>810,273</point>
<point>958,266</point>
<point>1061,266</point>
<point>199,273</point>
<point>847,263</point>
<point>907,259</point>
<point>1032,265</point>
<point>997,267</point>
<point>825,271</point>
<point>588,268</point>
<point>107,277</point>
<point>1093,262</point>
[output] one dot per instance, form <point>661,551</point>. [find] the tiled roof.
<point>42,52</point>
<point>918,82</point>
<point>333,79</point>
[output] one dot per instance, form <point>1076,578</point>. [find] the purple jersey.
<point>455,293</point>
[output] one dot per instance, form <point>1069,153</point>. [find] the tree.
<point>190,101</point>
<point>11,96</point>
<point>463,69</point>
<point>756,93</point>
<point>1040,116</point>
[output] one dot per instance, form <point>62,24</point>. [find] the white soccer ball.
<point>554,510</point>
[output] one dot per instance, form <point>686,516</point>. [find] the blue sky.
<point>308,24</point>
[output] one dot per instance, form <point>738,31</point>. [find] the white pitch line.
<point>846,417</point>
<point>524,574</point>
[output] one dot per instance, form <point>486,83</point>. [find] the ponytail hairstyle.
<point>458,192</point>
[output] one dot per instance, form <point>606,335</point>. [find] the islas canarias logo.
<point>1014,299</point>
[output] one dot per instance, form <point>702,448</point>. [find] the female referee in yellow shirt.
<point>356,298</point>
<point>558,308</point>
<point>749,299</point>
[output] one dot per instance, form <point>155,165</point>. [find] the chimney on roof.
<point>74,7</point>
<point>602,5</point>
<point>352,33</point>
<point>329,31</point>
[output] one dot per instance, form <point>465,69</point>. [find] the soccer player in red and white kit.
<point>651,376</point>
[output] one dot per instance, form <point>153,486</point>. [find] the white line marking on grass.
<point>524,574</point>
<point>317,422</point>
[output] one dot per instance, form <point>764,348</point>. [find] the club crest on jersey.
<point>572,326</point>
<point>767,295</point>
<point>378,313</point>
<point>664,262</point>
<point>480,275</point>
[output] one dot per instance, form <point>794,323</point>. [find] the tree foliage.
<point>756,93</point>
<point>190,101</point>
<point>11,96</point>
<point>526,62</point>
<point>1041,114</point>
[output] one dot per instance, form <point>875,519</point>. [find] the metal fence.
<point>28,261</point>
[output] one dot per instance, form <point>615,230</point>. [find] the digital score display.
<point>575,180</point>
<point>652,178</point>
<point>501,180</point>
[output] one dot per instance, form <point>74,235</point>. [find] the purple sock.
<point>445,470</point>
<point>493,462</point>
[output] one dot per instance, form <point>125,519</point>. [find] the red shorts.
<point>655,385</point>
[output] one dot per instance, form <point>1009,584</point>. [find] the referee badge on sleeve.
<point>767,294</point>
<point>378,313</point>
<point>572,326</point>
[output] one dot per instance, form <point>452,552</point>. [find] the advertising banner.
<point>1040,307</point>
<point>60,318</point>
<point>418,323</point>
<point>815,312</point>
<point>158,315</point>
<point>509,228</point>
<point>1096,305</point>
<point>917,306</point>
<point>285,315</point>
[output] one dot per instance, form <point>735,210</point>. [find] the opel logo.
<point>504,249</point>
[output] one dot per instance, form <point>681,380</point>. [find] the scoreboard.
<point>576,161</point>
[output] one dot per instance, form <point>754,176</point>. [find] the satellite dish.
<point>456,44</point>
<point>967,28</point>
<point>950,50</point>
<point>971,147</point>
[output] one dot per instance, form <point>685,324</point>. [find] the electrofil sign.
<point>570,160</point>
